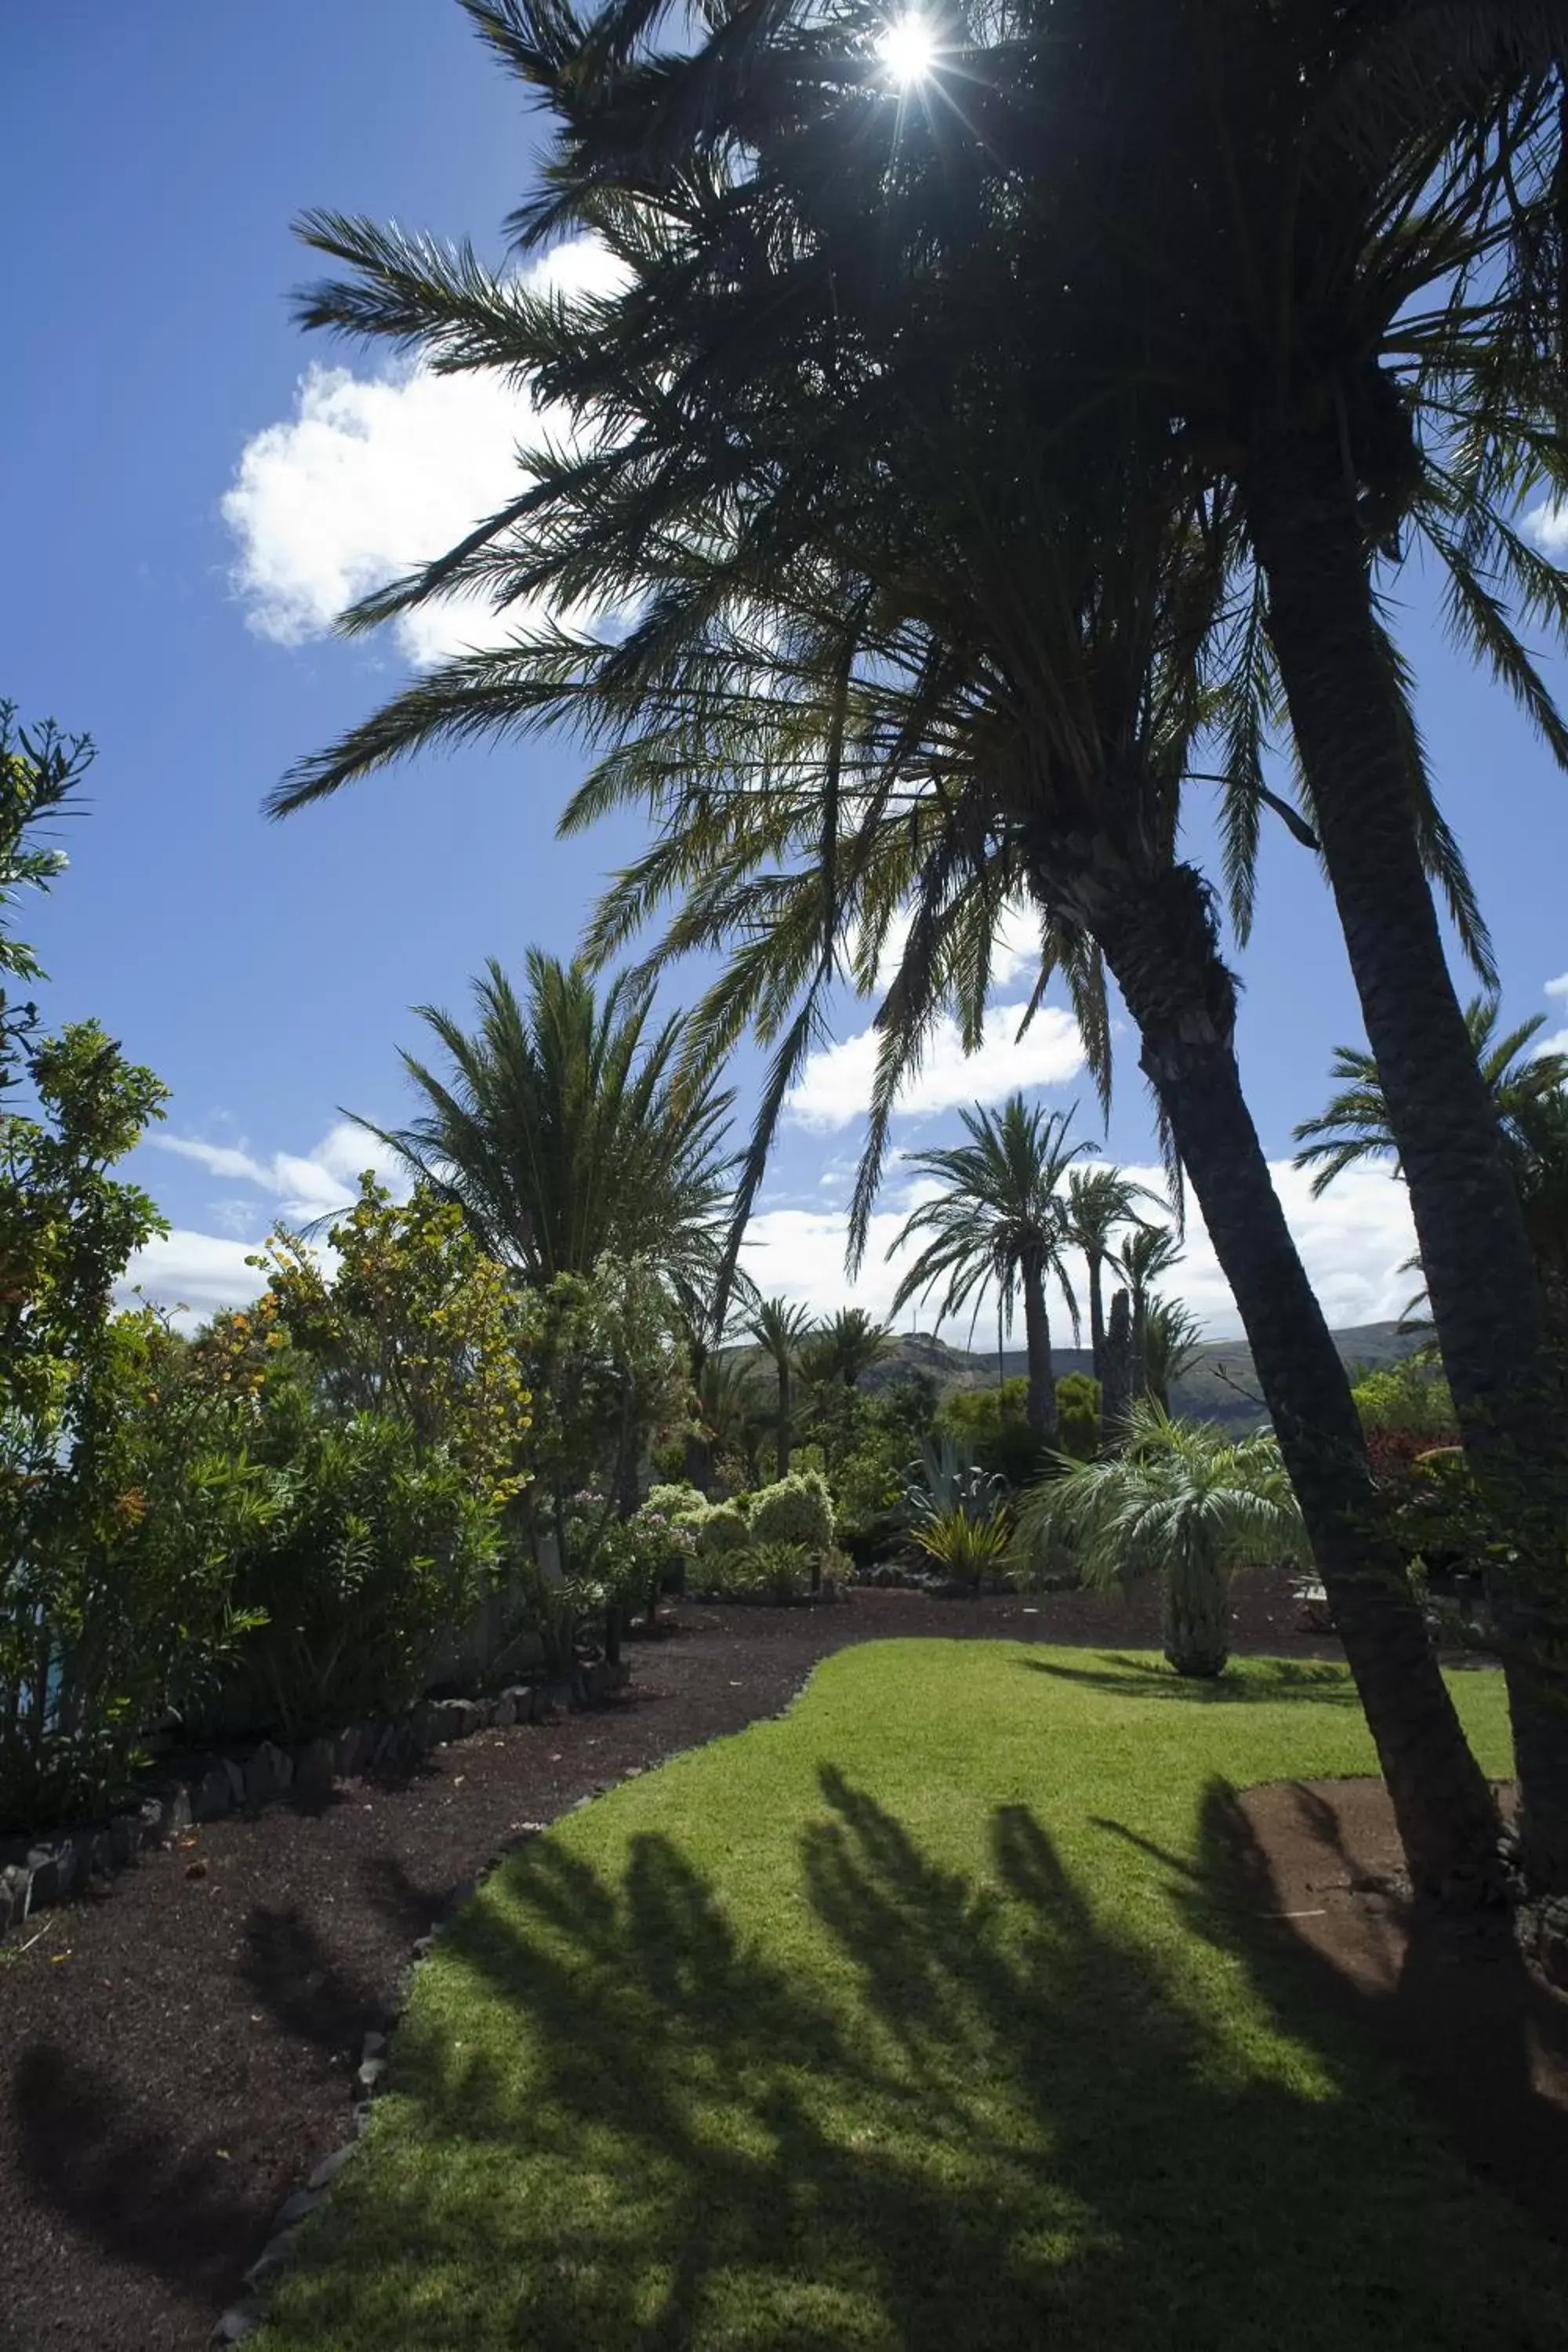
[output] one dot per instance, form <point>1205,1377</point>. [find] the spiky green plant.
<point>1182,1502</point>
<point>966,1545</point>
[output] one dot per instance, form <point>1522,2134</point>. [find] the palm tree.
<point>1183,1502</point>
<point>1100,1201</point>
<point>850,1345</point>
<point>986,686</point>
<point>778,1329</point>
<point>1354,1126</point>
<point>1148,1252</point>
<point>565,1133</point>
<point>1172,1338</point>
<point>999,1221</point>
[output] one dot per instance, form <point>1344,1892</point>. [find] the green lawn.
<point>915,2020</point>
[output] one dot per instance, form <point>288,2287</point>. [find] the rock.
<point>213,1795</point>
<point>354,1750</point>
<point>464,1892</point>
<point>173,1814</point>
<point>267,1773</point>
<point>16,1888</point>
<point>274,2255</point>
<point>95,1856</point>
<point>295,2209</point>
<point>363,2111</point>
<point>241,2320</point>
<point>471,1714</point>
<point>235,1774</point>
<point>445,1718</point>
<point>522,1698</point>
<point>424,1945</point>
<point>330,2167</point>
<point>315,1767</point>
<point>149,1822</point>
<point>374,2046</point>
<point>124,1839</point>
<point>503,1712</point>
<point>51,1868</point>
<point>369,2075</point>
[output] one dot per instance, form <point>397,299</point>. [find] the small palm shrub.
<point>966,1544</point>
<point>774,1572</point>
<point>794,1510</point>
<point>1183,1502</point>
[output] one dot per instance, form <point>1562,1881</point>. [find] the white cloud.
<point>302,1187</point>
<point>835,1087</point>
<point>198,1272</point>
<point>1015,949</point>
<point>1548,526</point>
<point>1353,1243</point>
<point>372,476</point>
<point>1558,987</point>
<point>1555,1041</point>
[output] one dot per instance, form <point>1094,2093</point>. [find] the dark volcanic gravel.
<point>177,2053</point>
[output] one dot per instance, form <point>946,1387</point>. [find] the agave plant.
<point>1182,1502</point>
<point>947,1479</point>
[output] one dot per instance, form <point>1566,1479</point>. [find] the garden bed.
<point>178,2054</point>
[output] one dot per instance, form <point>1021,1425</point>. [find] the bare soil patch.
<point>1481,2035</point>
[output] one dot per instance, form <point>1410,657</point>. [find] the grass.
<point>923,2018</point>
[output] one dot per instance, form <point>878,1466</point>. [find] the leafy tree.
<point>1077,1415</point>
<point>1182,1502</point>
<point>779,1329</point>
<point>998,1223</point>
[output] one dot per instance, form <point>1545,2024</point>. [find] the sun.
<point>908,49</point>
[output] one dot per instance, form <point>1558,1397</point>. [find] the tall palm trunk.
<point>1116,1393</point>
<point>1040,1409</point>
<point>1475,1251</point>
<point>1096,1264</point>
<point>1140,1343</point>
<point>1159,941</point>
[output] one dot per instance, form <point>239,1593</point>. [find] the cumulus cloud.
<point>372,476</point>
<point>835,1087</point>
<point>192,1275</point>
<point>1558,987</point>
<point>1353,1241</point>
<point>300,1186</point>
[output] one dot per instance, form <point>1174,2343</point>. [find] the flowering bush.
<point>796,1510</point>
<point>723,1527</point>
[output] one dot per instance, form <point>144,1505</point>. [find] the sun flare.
<point>908,49</point>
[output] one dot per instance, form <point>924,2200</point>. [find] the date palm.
<point>1354,1128</point>
<point>778,1329</point>
<point>998,1225</point>
<point>1045,692</point>
<point>1101,1200</point>
<point>848,1346</point>
<point>1149,1252</point>
<point>561,1128</point>
<point>1172,1339</point>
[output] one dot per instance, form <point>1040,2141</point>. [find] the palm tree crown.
<point>1182,1501</point>
<point>1354,1125</point>
<point>999,1223</point>
<point>778,1329</point>
<point>562,1130</point>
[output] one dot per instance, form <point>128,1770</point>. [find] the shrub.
<point>1077,1410</point>
<point>684,1505</point>
<point>781,1572</point>
<point>794,1510</point>
<point>966,1544</point>
<point>723,1527</point>
<point>1406,1400</point>
<point>374,1550</point>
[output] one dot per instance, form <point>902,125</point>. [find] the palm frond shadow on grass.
<point>985,2116</point>
<point>1125,1676</point>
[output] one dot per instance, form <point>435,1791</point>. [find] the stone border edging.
<point>37,1873</point>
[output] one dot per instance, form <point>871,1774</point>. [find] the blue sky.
<point>191,486</point>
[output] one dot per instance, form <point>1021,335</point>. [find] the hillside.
<point>1219,1385</point>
